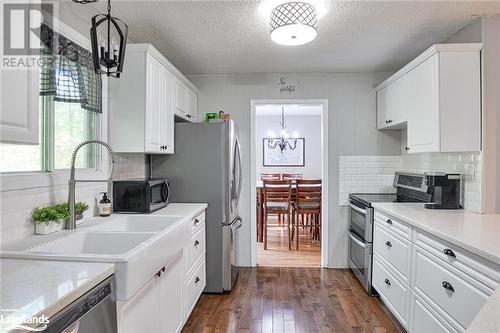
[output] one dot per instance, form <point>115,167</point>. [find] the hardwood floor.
<point>291,300</point>
<point>278,254</point>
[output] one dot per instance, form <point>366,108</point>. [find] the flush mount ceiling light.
<point>294,23</point>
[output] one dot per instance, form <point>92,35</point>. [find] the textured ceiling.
<point>209,37</point>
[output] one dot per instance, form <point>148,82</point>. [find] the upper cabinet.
<point>19,111</point>
<point>186,102</point>
<point>144,101</point>
<point>437,97</point>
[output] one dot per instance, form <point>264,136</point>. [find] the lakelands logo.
<point>10,321</point>
<point>21,33</point>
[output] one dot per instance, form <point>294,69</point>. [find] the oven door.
<point>361,222</point>
<point>360,260</point>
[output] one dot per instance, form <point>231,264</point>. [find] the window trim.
<point>13,181</point>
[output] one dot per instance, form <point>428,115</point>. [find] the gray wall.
<point>351,126</point>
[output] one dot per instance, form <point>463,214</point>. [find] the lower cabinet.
<point>165,302</point>
<point>441,287</point>
<point>156,307</point>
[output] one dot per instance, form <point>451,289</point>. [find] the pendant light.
<point>108,36</point>
<point>284,141</point>
<point>294,23</point>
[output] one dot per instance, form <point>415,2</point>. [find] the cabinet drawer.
<point>194,250</point>
<point>393,248</point>
<point>393,292</point>
<point>425,319</point>
<point>486,272</point>
<point>197,222</point>
<point>450,290</point>
<point>400,228</point>
<point>194,286</point>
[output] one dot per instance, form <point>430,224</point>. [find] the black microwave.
<point>140,195</point>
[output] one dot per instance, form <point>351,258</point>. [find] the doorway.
<point>289,141</point>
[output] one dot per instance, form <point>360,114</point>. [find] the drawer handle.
<point>448,286</point>
<point>389,221</point>
<point>196,221</point>
<point>197,280</point>
<point>388,121</point>
<point>196,243</point>
<point>449,253</point>
<point>387,282</point>
<point>388,244</point>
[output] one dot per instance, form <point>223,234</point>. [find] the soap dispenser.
<point>104,205</point>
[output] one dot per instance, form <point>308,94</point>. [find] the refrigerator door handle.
<point>240,180</point>
<point>237,224</point>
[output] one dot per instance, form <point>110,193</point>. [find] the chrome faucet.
<point>71,223</point>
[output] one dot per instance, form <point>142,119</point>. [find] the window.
<point>70,109</point>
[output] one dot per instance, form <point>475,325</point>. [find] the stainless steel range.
<point>409,188</point>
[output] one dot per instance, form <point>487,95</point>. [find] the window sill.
<point>31,180</point>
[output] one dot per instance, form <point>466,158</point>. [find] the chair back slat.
<point>308,194</point>
<point>270,176</point>
<point>277,191</point>
<point>291,176</point>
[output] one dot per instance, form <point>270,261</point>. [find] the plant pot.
<point>52,226</point>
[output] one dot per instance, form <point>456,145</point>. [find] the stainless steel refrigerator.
<point>206,167</point>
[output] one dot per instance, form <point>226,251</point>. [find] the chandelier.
<point>284,141</point>
<point>108,36</point>
<point>294,23</point>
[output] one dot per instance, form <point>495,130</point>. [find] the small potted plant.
<point>48,219</point>
<point>51,219</point>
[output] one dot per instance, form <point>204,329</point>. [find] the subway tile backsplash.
<point>374,174</point>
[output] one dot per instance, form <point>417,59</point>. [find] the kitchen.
<point>363,154</point>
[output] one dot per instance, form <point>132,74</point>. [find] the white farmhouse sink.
<point>138,223</point>
<point>104,243</point>
<point>138,245</point>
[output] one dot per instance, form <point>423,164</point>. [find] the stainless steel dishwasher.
<point>94,312</point>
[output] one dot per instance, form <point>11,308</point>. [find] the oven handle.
<point>359,210</point>
<point>357,240</point>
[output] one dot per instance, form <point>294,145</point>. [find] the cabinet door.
<point>192,101</point>
<point>154,104</point>
<point>171,299</point>
<point>180,97</point>
<point>141,313</point>
<point>424,319</point>
<point>19,110</point>
<point>383,112</point>
<point>168,112</point>
<point>423,123</point>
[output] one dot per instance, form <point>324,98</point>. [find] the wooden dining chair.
<point>277,200</point>
<point>270,176</point>
<point>291,176</point>
<point>308,204</point>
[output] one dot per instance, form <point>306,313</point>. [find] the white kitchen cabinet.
<point>437,97</point>
<point>144,101</point>
<point>19,106</point>
<point>157,307</point>
<point>186,102</point>
<point>439,288</point>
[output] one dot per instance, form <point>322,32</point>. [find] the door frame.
<point>325,241</point>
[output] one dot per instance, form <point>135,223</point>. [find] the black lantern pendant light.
<point>108,36</point>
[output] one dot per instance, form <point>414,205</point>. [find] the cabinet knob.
<point>388,121</point>
<point>158,274</point>
<point>388,244</point>
<point>387,282</point>
<point>197,280</point>
<point>449,253</point>
<point>389,221</point>
<point>407,148</point>
<point>196,221</point>
<point>448,286</point>
<point>196,243</point>
<point>188,115</point>
<point>163,269</point>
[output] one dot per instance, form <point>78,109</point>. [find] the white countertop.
<point>184,209</point>
<point>31,288</point>
<point>488,319</point>
<point>477,233</point>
